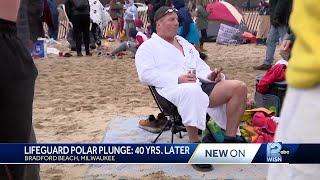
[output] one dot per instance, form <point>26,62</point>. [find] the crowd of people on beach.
<point>177,68</point>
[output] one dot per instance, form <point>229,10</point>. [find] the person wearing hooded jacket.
<point>187,28</point>
<point>130,15</point>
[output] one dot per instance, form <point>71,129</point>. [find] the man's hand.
<point>187,78</point>
<point>215,75</point>
<point>286,45</point>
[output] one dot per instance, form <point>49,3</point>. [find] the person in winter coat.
<point>187,28</point>
<point>279,14</point>
<point>130,15</point>
<point>80,18</point>
<point>202,20</point>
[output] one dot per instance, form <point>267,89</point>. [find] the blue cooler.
<point>274,97</point>
<point>40,48</point>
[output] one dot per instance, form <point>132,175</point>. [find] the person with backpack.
<point>78,12</point>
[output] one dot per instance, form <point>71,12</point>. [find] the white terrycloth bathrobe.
<point>160,64</point>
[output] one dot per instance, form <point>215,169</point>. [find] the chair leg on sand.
<point>164,127</point>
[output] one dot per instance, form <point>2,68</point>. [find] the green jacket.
<point>202,16</point>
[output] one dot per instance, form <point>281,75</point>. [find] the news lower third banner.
<point>159,153</point>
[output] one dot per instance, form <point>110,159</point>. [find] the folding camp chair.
<point>170,111</point>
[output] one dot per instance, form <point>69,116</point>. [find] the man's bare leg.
<point>234,93</point>
<point>193,134</point>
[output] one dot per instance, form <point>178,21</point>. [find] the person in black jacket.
<point>80,18</point>
<point>153,6</point>
<point>18,74</point>
<point>279,16</point>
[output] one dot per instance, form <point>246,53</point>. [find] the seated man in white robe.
<point>164,60</point>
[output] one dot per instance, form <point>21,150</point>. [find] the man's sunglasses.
<point>171,10</point>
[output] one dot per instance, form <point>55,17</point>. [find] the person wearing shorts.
<point>173,66</point>
<point>115,11</point>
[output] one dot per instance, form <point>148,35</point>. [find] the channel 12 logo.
<point>275,152</point>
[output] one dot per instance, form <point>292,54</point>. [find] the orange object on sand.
<point>264,110</point>
<point>249,36</point>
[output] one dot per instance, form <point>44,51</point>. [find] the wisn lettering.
<point>274,159</point>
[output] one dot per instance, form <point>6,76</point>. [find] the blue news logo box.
<point>275,151</point>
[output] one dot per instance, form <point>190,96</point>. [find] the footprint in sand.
<point>90,97</point>
<point>88,108</point>
<point>101,102</point>
<point>54,171</point>
<point>38,126</point>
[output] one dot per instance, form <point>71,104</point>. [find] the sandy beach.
<point>76,97</point>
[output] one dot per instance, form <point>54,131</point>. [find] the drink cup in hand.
<point>192,71</point>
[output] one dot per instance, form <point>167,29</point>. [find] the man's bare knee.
<point>225,90</point>
<point>240,88</point>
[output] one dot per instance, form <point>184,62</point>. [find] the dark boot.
<point>259,41</point>
<point>264,41</point>
<point>237,139</point>
<point>203,167</point>
<point>263,67</point>
<point>88,54</point>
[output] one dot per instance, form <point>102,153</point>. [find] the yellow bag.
<point>109,33</point>
<point>123,36</point>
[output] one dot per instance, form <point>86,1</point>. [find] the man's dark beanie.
<point>160,13</point>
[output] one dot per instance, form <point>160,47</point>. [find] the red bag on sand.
<point>249,36</point>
